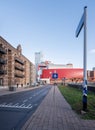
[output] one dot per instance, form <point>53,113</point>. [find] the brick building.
<point>15,68</point>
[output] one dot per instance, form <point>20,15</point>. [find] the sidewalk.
<point>55,113</point>
<point>5,91</point>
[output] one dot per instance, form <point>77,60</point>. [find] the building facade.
<point>15,68</point>
<point>91,76</point>
<point>69,74</point>
<point>59,66</point>
<point>38,60</point>
<point>74,75</point>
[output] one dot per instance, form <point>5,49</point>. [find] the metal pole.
<point>85,62</point>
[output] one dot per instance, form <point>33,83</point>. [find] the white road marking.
<point>30,97</point>
<point>25,100</point>
<point>3,104</point>
<point>22,105</point>
<point>16,104</point>
<point>29,106</point>
<point>10,105</point>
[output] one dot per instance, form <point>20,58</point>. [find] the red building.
<point>71,74</point>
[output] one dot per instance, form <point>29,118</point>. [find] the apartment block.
<point>15,68</point>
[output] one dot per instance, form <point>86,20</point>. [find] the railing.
<point>19,61</point>
<point>2,50</point>
<point>19,75</point>
<point>19,68</point>
<point>90,86</point>
<point>2,61</point>
<point>3,72</point>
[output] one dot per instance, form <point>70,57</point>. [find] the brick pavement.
<point>54,113</point>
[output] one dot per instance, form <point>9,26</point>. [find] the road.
<point>16,108</point>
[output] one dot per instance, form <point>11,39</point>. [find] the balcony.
<point>2,50</point>
<point>3,72</point>
<point>19,61</point>
<point>2,61</point>
<point>19,75</point>
<point>19,68</point>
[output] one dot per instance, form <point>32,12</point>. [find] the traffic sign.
<point>54,75</point>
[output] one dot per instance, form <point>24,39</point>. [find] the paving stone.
<point>54,113</point>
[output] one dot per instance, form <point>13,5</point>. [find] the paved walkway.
<point>55,113</point>
<point>5,91</point>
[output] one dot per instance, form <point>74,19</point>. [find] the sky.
<point>49,26</point>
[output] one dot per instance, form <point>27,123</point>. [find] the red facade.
<point>67,73</point>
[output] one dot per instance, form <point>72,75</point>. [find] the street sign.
<point>54,75</point>
<point>80,26</point>
<point>81,23</point>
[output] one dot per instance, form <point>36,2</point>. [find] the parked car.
<point>35,84</point>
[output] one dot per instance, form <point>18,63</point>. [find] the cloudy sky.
<point>49,26</point>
